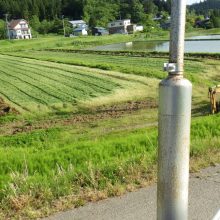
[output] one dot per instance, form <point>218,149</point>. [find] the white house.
<point>19,29</point>
<point>119,26</point>
<point>139,28</point>
<point>80,31</point>
<point>123,27</point>
<point>78,23</point>
<point>119,23</point>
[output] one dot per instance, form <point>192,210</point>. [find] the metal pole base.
<point>175,94</point>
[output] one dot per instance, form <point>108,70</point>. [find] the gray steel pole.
<point>175,94</point>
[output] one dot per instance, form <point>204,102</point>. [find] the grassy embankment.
<point>50,170</point>
<point>54,167</point>
<point>45,42</point>
<point>201,31</point>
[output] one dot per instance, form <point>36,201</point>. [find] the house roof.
<point>14,23</point>
<point>77,22</point>
<point>121,20</point>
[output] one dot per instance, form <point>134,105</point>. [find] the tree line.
<point>45,16</point>
<point>209,9</point>
<point>205,7</point>
<point>94,11</point>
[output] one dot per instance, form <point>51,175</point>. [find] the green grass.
<point>200,31</point>
<point>45,42</point>
<point>44,166</point>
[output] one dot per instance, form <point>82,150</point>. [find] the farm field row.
<point>195,69</point>
<point>202,72</point>
<point>40,86</point>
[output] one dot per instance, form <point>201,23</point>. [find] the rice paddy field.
<point>80,127</point>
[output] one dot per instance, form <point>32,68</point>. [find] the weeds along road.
<point>204,202</point>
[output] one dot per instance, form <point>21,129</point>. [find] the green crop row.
<point>28,83</point>
<point>145,66</point>
<point>49,80</point>
<point>60,75</point>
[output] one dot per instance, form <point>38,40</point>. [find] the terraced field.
<point>136,65</point>
<point>36,86</point>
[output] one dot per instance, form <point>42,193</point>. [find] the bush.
<point>2,29</point>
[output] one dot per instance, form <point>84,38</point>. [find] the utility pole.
<point>6,20</point>
<point>175,94</point>
<point>64,30</point>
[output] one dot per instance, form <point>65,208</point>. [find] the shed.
<point>99,31</point>
<point>80,31</point>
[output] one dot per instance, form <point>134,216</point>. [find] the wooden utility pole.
<point>64,29</point>
<point>6,20</point>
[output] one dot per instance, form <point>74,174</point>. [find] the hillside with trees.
<point>209,9</point>
<point>205,7</point>
<point>43,13</point>
<point>45,16</point>
<point>75,9</point>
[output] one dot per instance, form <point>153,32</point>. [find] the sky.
<point>189,2</point>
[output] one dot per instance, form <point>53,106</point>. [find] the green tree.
<point>100,12</point>
<point>150,24</point>
<point>150,7</point>
<point>57,26</point>
<point>45,27</point>
<point>215,21</point>
<point>137,11</point>
<point>68,27</point>
<point>2,29</point>
<point>132,9</point>
<point>35,22</point>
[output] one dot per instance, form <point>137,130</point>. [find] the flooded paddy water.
<point>199,44</point>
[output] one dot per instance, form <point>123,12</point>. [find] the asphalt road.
<point>204,202</point>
